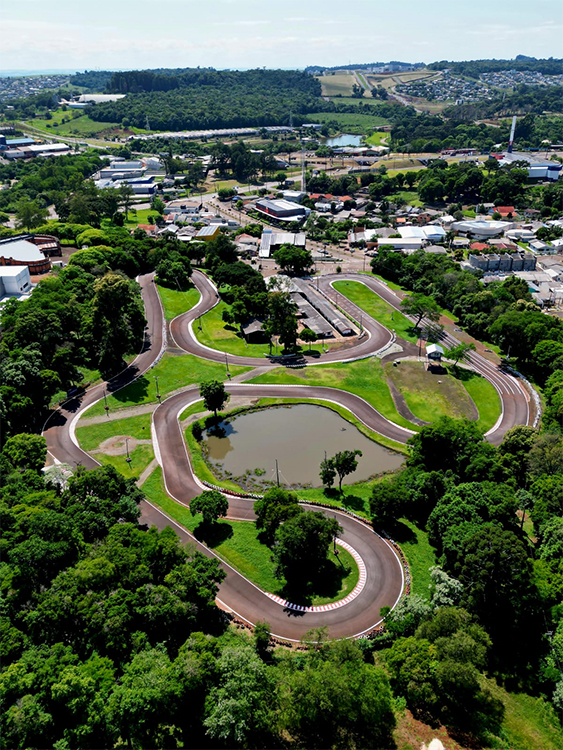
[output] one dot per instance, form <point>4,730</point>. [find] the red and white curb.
<point>334,605</point>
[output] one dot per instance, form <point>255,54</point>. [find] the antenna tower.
<point>147,123</point>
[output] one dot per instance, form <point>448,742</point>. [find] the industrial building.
<point>270,241</point>
<point>282,210</point>
<point>430,233</point>
<point>122,170</point>
<point>538,169</point>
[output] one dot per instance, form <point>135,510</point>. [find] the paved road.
<point>384,573</point>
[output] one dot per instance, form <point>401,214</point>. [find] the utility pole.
<point>157,391</point>
<point>227,366</point>
<point>128,459</point>
<point>277,474</point>
<point>106,407</point>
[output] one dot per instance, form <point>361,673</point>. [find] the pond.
<point>297,436</point>
<point>346,139</point>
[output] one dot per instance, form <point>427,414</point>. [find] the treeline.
<point>46,180</point>
<point>431,133</point>
<point>146,81</point>
<point>493,582</point>
<point>474,68</point>
<point>521,101</point>
<point>95,80</point>
<point>90,315</point>
<point>501,312</point>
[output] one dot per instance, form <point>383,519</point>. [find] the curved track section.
<point>383,571</point>
<point>181,330</point>
<point>515,400</point>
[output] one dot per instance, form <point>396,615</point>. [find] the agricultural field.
<point>352,122</point>
<point>339,83</point>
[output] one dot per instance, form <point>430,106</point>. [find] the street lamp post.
<point>106,407</point>
<point>227,366</point>
<point>128,459</point>
<point>157,391</point>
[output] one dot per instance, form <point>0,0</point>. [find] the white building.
<point>14,281</point>
<point>482,229</point>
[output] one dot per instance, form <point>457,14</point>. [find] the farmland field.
<point>354,123</point>
<point>82,125</point>
<point>339,83</point>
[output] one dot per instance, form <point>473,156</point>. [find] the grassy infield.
<point>238,543</point>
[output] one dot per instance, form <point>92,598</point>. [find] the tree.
<point>294,260</point>
<point>240,709</point>
<point>213,394</point>
<point>327,472</point>
<point>546,455</point>
<point>157,204</point>
<point>282,320</point>
<point>26,451</point>
<point>125,195</point>
<point>280,177</point>
<point>212,504</point>
<point>29,214</point>
<point>302,545</point>
<point>460,352</point>
<point>420,307</point>
<point>345,462</point>
<point>308,336</point>
<point>273,509</point>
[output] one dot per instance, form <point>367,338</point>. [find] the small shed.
<point>434,352</point>
<point>253,332</point>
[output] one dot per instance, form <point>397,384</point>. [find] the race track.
<point>384,574</point>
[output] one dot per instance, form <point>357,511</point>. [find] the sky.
<point>128,34</point>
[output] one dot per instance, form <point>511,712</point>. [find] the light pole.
<point>157,391</point>
<point>128,459</point>
<point>106,407</point>
<point>227,366</point>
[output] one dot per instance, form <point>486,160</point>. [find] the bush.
<point>197,431</point>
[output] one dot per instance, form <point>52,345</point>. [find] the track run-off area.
<point>382,575</point>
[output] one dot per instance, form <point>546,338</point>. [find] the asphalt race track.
<point>384,573</point>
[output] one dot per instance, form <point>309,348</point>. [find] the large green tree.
<point>302,545</point>
<point>213,394</point>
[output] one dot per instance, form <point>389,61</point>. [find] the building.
<point>14,281</point>
<point>482,229</point>
<point>430,233</point>
<point>208,234</point>
<point>254,332</point>
<point>270,241</point>
<point>434,352</point>
<point>282,210</point>
<point>504,262</point>
<point>294,196</point>
<point>22,251</point>
<point>538,169</point>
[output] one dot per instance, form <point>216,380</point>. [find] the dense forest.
<point>94,80</point>
<point>203,99</point>
<point>474,68</point>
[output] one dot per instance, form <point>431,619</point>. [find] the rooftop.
<point>21,250</point>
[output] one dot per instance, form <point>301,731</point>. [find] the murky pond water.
<point>347,139</point>
<point>297,436</point>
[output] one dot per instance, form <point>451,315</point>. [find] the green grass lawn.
<point>139,216</point>
<point>82,125</point>
<point>430,396</point>
<point>364,378</point>
<point>141,456</point>
<point>484,395</point>
<point>89,378</point>
<point>529,722</point>
<point>173,372</point>
<point>419,553</point>
<point>380,310</point>
<point>237,543</point>
<point>353,122</point>
<point>378,138</point>
<point>175,303</point>
<point>217,334</point>
<point>90,436</point>
<point>410,196</point>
